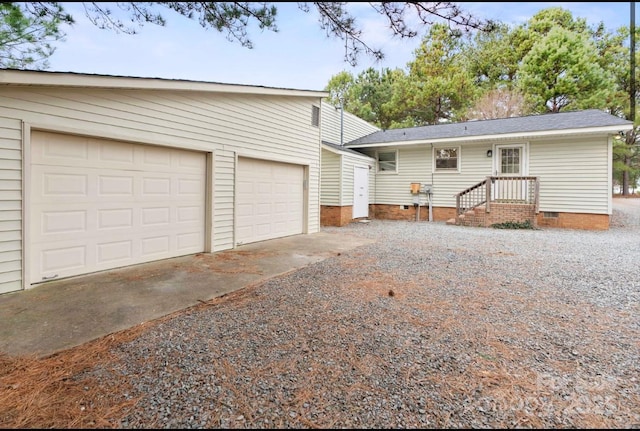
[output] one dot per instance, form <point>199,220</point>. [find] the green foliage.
<point>552,62</point>
<point>27,34</point>
<point>370,95</point>
<point>626,162</point>
<point>438,84</point>
<point>513,225</point>
<point>491,59</point>
<point>561,71</point>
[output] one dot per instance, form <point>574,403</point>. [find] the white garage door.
<point>97,204</point>
<point>269,200</point>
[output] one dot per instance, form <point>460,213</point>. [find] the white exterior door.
<point>510,161</point>
<point>360,191</point>
<point>269,200</point>
<point>97,204</point>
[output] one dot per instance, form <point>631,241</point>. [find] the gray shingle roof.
<point>533,123</point>
<point>343,148</point>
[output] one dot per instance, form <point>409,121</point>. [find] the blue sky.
<point>299,56</point>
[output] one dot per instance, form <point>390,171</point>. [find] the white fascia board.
<point>68,79</point>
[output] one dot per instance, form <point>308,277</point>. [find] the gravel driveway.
<point>433,326</point>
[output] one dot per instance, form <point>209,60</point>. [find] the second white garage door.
<point>97,204</point>
<point>269,200</point>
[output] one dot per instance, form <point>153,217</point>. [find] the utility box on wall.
<point>415,188</point>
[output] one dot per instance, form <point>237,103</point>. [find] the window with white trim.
<point>447,159</point>
<point>387,161</point>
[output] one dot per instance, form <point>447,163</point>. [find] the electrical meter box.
<point>426,188</point>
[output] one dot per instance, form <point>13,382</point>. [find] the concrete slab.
<point>61,314</point>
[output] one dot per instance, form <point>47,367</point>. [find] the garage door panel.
<point>119,152</point>
<point>155,159</point>
<point>87,217</point>
<point>190,241</point>
<point>115,218</point>
<point>57,148</point>
<point>189,187</point>
<point>189,162</point>
<point>269,200</point>
<point>115,251</point>
<point>190,214</point>
<point>155,245</point>
<point>156,186</point>
<point>244,232</point>
<point>54,260</point>
<point>59,184</point>
<point>155,216</point>
<point>63,222</point>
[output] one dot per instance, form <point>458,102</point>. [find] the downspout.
<point>341,121</point>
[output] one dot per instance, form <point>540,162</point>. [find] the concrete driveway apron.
<point>61,314</point>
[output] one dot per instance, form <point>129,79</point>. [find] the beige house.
<point>100,172</point>
<point>553,170</point>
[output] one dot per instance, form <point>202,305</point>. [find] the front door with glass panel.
<point>509,161</point>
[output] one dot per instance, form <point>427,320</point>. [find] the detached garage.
<point>100,172</point>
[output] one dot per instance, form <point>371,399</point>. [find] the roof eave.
<point>346,153</point>
<point>604,130</point>
<point>77,80</point>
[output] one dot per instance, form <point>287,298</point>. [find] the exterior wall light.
<point>489,153</point>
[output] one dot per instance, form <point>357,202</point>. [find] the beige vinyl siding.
<point>338,186</point>
<point>337,176</point>
<point>475,166</point>
<point>574,175</point>
<point>275,127</point>
<point>353,127</point>
<point>176,118</point>
<point>223,199</point>
<point>313,207</point>
<point>415,165</point>
<point>10,205</point>
<point>349,162</point>
<point>330,185</point>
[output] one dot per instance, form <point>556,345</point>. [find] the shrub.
<point>513,225</point>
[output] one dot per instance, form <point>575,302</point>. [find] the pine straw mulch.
<point>45,393</point>
<point>55,392</point>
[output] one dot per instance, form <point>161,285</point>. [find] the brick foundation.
<point>574,221</point>
<point>500,213</point>
<point>443,213</point>
<point>335,215</point>
<point>518,213</point>
<point>397,212</point>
